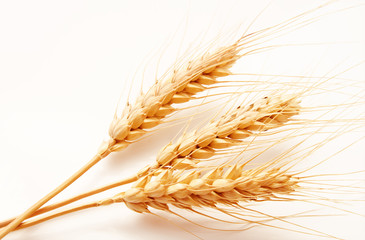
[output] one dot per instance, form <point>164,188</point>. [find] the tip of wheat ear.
<point>195,189</point>
<point>266,113</point>
<point>151,108</point>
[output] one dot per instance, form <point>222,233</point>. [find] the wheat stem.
<point>76,198</point>
<point>58,214</point>
<point>50,195</point>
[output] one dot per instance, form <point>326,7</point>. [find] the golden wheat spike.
<point>150,108</point>
<point>264,114</point>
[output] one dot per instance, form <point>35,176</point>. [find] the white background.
<point>64,64</point>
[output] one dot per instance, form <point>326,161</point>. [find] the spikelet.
<point>266,113</point>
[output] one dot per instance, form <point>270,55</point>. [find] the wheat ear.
<point>152,107</point>
<point>194,190</point>
<point>266,113</point>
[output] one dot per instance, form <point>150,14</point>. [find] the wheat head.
<point>152,107</point>
<point>187,189</point>
<point>266,113</point>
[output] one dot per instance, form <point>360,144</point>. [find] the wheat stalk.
<point>152,107</point>
<point>194,190</point>
<point>198,189</point>
<point>187,189</point>
<point>267,113</point>
<point>144,115</point>
<point>223,186</point>
<point>149,110</point>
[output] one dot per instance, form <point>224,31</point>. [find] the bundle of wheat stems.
<point>213,167</point>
